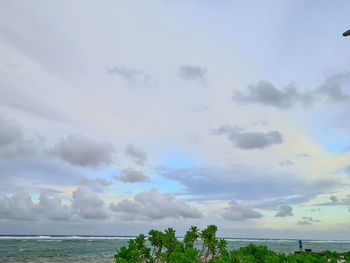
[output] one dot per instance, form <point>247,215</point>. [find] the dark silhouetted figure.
<point>300,245</point>
<point>346,33</point>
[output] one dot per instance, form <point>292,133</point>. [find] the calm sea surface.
<point>40,249</point>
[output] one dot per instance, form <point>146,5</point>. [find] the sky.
<point>117,117</point>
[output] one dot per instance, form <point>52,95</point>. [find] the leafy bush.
<point>164,247</point>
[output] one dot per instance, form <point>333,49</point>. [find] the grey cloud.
<point>303,155</point>
<point>200,108</point>
<point>246,183</point>
<point>37,174</point>
<point>260,122</point>
<point>275,203</point>
<point>96,184</point>
<point>132,176</point>
<point>335,201</point>
<point>238,212</point>
<point>220,183</point>
<point>96,181</point>
<point>286,163</point>
<point>267,94</point>
<point>136,154</point>
<point>153,204</point>
<point>12,140</point>
<point>249,140</point>
<point>53,208</point>
<point>48,191</point>
<point>10,132</point>
<point>88,204</point>
<point>188,72</point>
<point>21,207</point>
<point>85,204</point>
<point>38,108</point>
<point>78,150</point>
<point>333,198</point>
<point>132,76</point>
<point>309,218</point>
<point>284,210</point>
<point>18,207</point>
<point>303,222</point>
<point>331,90</point>
<point>315,209</point>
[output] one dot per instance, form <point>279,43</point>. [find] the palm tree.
<point>156,238</point>
<point>170,241</point>
<point>208,236</point>
<point>139,242</point>
<point>191,236</point>
<point>222,247</point>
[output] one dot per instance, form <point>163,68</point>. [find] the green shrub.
<point>164,247</point>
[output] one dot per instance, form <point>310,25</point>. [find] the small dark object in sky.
<point>346,33</point>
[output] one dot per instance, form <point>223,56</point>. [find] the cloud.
<point>315,209</point>
<point>286,163</point>
<point>96,184</point>
<point>153,204</point>
<point>332,88</point>
<point>12,141</point>
<point>308,220</point>
<point>249,140</point>
<point>303,155</point>
<point>132,176</point>
<point>85,204</point>
<point>200,108</point>
<point>132,76</point>
<point>335,201</point>
<point>18,207</point>
<point>136,154</point>
<point>53,208</point>
<point>14,99</point>
<point>284,210</point>
<point>78,150</point>
<point>303,222</point>
<point>10,132</point>
<point>21,207</point>
<point>265,93</point>
<point>37,173</point>
<point>247,183</point>
<point>333,198</point>
<point>238,212</point>
<point>187,72</point>
<point>96,181</point>
<point>88,204</point>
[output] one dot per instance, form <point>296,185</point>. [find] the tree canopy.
<point>204,246</point>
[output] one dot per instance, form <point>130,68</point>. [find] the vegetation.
<point>164,247</point>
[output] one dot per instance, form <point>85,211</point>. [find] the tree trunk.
<point>202,250</point>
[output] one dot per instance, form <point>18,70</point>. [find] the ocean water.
<point>58,249</point>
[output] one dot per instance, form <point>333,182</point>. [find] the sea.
<point>101,249</point>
